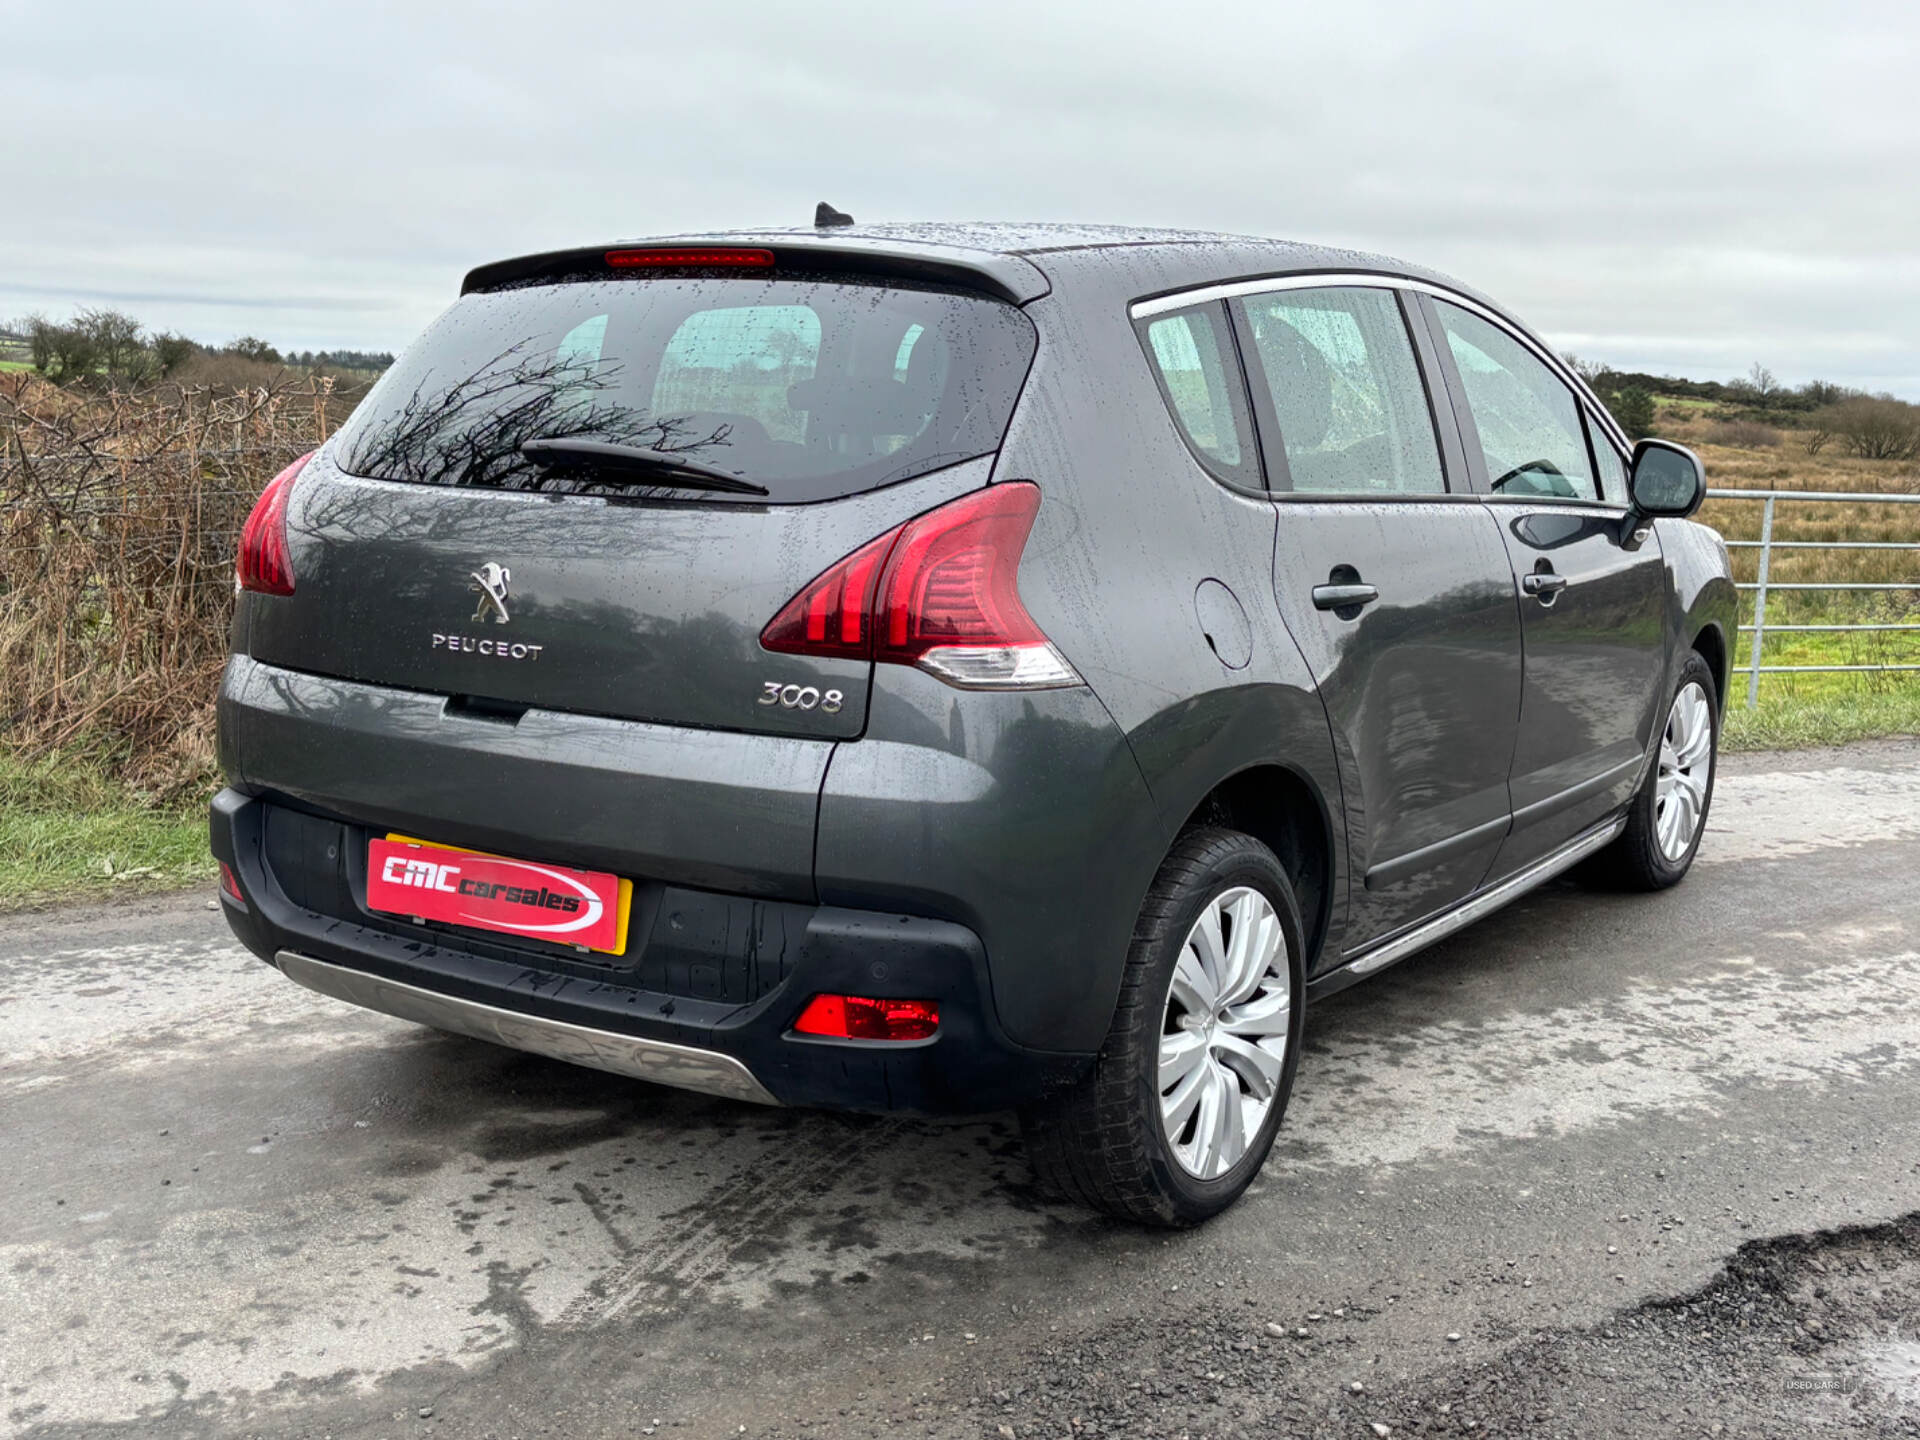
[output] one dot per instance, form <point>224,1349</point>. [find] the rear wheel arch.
<point>1282,809</point>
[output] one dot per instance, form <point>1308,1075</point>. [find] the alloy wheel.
<point>1686,770</point>
<point>1223,1038</point>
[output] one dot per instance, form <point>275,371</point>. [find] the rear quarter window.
<point>1199,377</point>
<point>810,388</point>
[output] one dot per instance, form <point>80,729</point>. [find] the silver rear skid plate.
<point>681,1066</point>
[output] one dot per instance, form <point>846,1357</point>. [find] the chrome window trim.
<point>1358,279</point>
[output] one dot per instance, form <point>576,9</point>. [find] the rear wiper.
<point>565,453</point>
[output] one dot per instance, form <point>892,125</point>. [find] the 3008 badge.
<point>800,697</point>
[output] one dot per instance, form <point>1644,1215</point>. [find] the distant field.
<point>1816,708</point>
<point>8,365</point>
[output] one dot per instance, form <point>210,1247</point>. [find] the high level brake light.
<point>939,592</point>
<point>265,563</point>
<point>706,257</point>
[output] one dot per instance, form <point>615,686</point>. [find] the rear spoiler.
<point>1006,277</point>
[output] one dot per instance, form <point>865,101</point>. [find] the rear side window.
<point>1199,377</point>
<point>1526,418</point>
<point>812,389</point>
<point>1346,392</point>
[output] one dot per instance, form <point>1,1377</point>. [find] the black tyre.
<point>1669,814</point>
<point>1193,1080</point>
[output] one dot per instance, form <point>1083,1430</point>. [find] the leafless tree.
<point>1873,427</point>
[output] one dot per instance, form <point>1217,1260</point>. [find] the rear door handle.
<point>1544,584</point>
<point>1344,597</point>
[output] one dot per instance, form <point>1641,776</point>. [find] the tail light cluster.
<point>939,592</point>
<point>265,563</point>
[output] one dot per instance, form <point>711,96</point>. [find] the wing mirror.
<point>1668,480</point>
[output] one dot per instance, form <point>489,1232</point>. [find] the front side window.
<point>1200,379</point>
<point>1525,416</point>
<point>1346,392</point>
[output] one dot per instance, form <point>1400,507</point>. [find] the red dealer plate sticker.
<point>491,892</point>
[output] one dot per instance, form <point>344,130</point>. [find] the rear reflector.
<point>939,592</point>
<point>708,257</point>
<point>265,563</point>
<point>230,885</point>
<point>855,1017</point>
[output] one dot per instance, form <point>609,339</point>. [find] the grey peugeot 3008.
<point>953,668</point>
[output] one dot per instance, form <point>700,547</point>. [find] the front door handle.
<point>1544,584</point>
<point>1344,597</point>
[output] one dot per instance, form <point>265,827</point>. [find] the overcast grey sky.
<point>1681,188</point>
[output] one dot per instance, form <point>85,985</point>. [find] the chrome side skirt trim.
<point>681,1066</point>
<point>1486,902</point>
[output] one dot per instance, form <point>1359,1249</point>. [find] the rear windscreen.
<point>813,390</point>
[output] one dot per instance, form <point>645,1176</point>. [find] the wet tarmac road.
<point>231,1207</point>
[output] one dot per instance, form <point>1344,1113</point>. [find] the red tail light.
<point>855,1017</point>
<point>265,564</point>
<point>230,885</point>
<point>940,592</point>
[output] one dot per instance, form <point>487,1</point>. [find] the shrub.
<point>118,339</point>
<point>252,347</point>
<point>95,345</point>
<point>171,351</point>
<point>1873,427</point>
<point>62,353</point>
<point>1633,408</point>
<point>1743,434</point>
<point>1816,394</point>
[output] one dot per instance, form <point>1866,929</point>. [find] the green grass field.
<point>1808,715</point>
<point>1796,711</point>
<point>68,832</point>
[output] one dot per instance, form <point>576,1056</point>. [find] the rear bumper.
<point>669,1011</point>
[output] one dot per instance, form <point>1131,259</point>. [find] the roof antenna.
<point>824,216</point>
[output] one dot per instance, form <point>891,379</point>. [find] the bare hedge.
<point>119,514</point>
